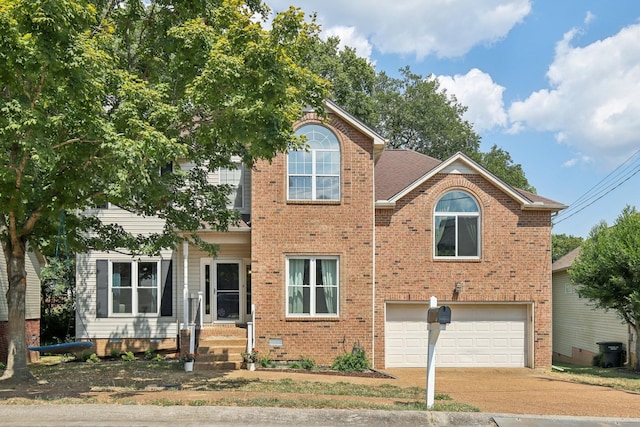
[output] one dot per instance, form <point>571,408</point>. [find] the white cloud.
<point>593,102</point>
<point>579,159</point>
<point>440,27</point>
<point>589,18</point>
<point>349,37</point>
<point>481,95</point>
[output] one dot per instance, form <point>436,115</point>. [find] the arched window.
<point>314,173</point>
<point>457,226</point>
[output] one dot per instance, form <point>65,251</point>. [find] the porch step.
<point>220,347</point>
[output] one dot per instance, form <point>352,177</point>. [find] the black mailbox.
<point>440,315</point>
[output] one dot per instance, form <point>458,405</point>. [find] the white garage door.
<point>478,336</point>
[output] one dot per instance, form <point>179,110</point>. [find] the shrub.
<point>86,355</point>
<point>355,361</point>
<point>597,360</point>
<point>307,363</point>
<point>149,354</point>
<point>128,356</point>
<point>266,362</point>
<point>93,359</point>
<point>115,353</point>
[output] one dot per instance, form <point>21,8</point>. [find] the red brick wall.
<point>343,229</point>
<point>515,263</point>
<point>32,334</point>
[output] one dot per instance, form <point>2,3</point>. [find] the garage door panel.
<point>479,336</point>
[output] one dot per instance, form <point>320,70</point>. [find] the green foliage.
<point>85,355</point>
<point>607,271</point>
<point>128,356</point>
<point>93,358</point>
<point>597,360</point>
<point>96,97</point>
<point>115,353</point>
<point>295,365</point>
<point>415,113</point>
<point>353,79</point>
<point>57,302</point>
<point>151,355</point>
<point>562,244</point>
<point>355,361</point>
<point>411,111</point>
<point>266,362</point>
<point>499,162</point>
<point>307,363</point>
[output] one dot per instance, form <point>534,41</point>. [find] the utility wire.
<point>618,176</point>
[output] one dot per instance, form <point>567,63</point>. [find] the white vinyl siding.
<point>32,299</point>
<point>577,324</point>
<point>88,325</point>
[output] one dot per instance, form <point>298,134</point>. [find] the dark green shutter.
<point>166,300</point>
<point>102,288</point>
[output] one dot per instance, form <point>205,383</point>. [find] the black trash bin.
<point>611,352</point>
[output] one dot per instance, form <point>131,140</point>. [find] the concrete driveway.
<point>524,391</point>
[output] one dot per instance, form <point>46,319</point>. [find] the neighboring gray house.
<point>33,265</point>
<point>577,326</point>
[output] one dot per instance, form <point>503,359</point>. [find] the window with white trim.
<point>234,177</point>
<point>313,286</point>
<point>314,173</point>
<point>134,287</point>
<point>456,226</point>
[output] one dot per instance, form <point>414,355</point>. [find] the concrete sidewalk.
<point>138,416</point>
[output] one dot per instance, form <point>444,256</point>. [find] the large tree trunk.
<point>16,303</point>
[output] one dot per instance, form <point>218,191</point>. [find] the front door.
<point>222,287</point>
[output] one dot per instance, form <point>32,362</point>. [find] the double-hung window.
<point>314,173</point>
<point>234,178</point>
<point>312,286</point>
<point>134,287</point>
<point>457,226</point>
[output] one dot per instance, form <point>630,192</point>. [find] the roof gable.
<point>379,143</point>
<point>402,173</point>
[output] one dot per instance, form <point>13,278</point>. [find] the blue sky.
<point>556,83</point>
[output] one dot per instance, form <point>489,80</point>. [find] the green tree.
<point>562,244</point>
<point>415,113</point>
<point>412,112</point>
<point>499,162</point>
<point>97,97</point>
<point>607,271</point>
<point>353,79</point>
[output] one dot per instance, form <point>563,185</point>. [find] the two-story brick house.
<point>343,244</point>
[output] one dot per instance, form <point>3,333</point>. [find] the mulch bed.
<point>372,373</point>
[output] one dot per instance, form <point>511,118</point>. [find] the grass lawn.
<point>165,383</point>
<point>617,378</point>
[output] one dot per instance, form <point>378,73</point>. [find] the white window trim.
<point>314,175</point>
<point>457,215</point>
<point>134,288</point>
<point>239,167</point>
<point>312,294</point>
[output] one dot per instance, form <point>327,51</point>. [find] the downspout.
<point>373,275</point>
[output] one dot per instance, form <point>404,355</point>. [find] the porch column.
<point>185,289</point>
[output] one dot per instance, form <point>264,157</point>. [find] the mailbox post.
<point>437,318</point>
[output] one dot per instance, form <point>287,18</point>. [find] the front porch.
<point>219,347</point>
